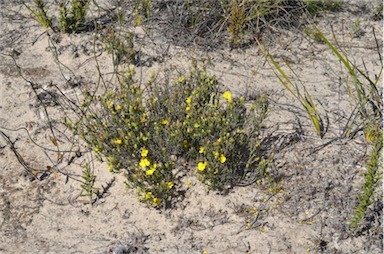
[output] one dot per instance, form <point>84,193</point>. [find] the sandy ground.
<point>309,211</point>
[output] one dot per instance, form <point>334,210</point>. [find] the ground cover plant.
<point>145,131</point>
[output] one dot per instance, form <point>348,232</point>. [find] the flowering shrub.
<point>145,131</point>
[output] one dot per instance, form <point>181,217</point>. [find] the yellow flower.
<point>197,125</point>
<point>109,104</point>
<point>188,108</point>
<point>170,185</point>
<point>202,165</point>
<point>144,162</point>
<point>156,201</point>
<point>201,150</point>
<point>144,152</point>
<point>152,169</point>
<point>188,183</point>
<point>118,141</point>
<point>216,154</point>
<point>150,172</point>
<point>148,195</point>
<point>227,95</point>
<point>188,100</point>
<point>180,79</point>
<point>164,122</point>
<point>118,107</point>
<point>223,158</point>
<point>370,135</point>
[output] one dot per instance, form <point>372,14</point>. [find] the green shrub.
<point>71,19</point>
<point>147,131</point>
<point>372,177</point>
<point>121,47</point>
<point>88,184</point>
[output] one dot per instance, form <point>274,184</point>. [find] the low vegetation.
<point>151,132</point>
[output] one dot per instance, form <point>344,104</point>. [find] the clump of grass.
<point>121,48</point>
<point>40,13</point>
<point>304,97</point>
<point>315,6</point>
<point>300,93</point>
<point>71,19</point>
<point>236,22</point>
<point>142,11</point>
<point>364,92</point>
<point>145,132</point>
<point>313,34</point>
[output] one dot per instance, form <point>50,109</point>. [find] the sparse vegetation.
<point>366,96</point>
<point>238,22</point>
<point>189,123</point>
<point>121,47</point>
<point>197,21</point>
<point>70,19</point>
<point>302,95</point>
<point>323,5</point>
